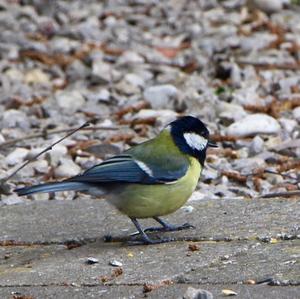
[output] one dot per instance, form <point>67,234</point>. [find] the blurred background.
<point>130,67</point>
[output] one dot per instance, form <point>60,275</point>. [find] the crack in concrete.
<point>269,281</point>
<point>73,243</point>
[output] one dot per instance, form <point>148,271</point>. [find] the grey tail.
<point>53,187</point>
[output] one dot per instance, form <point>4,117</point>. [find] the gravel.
<point>134,66</point>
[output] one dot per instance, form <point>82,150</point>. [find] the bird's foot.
<point>166,228</point>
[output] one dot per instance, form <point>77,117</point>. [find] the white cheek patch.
<point>144,167</point>
<point>195,141</point>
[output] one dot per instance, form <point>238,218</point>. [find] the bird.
<point>150,180</point>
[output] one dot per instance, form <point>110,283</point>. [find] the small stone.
<point>67,168</point>
<point>229,111</point>
<point>187,209</point>
<point>256,146</point>
<point>71,101</point>
<point>254,124</point>
<point>197,195</point>
<point>296,113</point>
<point>227,292</point>
<point>12,200</point>
<point>41,166</point>
<point>14,118</point>
<point>14,74</point>
<point>57,152</point>
<point>130,57</point>
<point>36,76</point>
<point>115,263</point>
<point>101,71</point>
<point>124,87</point>
<point>91,261</point>
<point>2,139</point>
<point>267,6</point>
<point>163,116</point>
<point>161,96</point>
<point>288,124</point>
<point>134,80</point>
<point>17,156</point>
<point>102,95</point>
<point>41,196</point>
<point>193,293</point>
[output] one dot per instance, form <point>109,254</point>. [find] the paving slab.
<point>59,221</point>
<point>172,292</point>
<point>45,247</point>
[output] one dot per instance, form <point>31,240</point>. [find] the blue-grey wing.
<point>126,169</point>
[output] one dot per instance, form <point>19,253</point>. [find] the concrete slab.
<point>60,221</point>
<point>37,256</point>
<point>125,291</point>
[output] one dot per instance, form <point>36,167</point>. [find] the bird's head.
<point>191,136</point>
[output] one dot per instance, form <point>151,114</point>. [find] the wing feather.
<point>124,168</point>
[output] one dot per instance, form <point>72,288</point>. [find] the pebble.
<point>134,80</point>
<point>187,209</point>
<point>12,200</point>
<point>267,6</point>
<point>288,124</point>
<point>161,96</point>
<point>14,74</point>
<point>192,293</point>
<point>36,76</point>
<point>41,166</point>
<point>102,95</point>
<point>254,124</point>
<point>101,71</point>
<point>41,196</point>
<point>256,146</point>
<point>115,263</point>
<point>17,156</point>
<point>2,139</point>
<point>15,118</point>
<point>296,114</point>
<point>163,116</point>
<point>91,261</point>
<point>70,101</point>
<point>230,111</point>
<point>67,168</point>
<point>57,152</point>
<point>130,57</point>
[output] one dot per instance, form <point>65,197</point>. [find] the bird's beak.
<point>211,144</point>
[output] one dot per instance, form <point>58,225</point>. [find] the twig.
<point>280,194</point>
<point>48,148</point>
<point>264,65</point>
<point>54,131</point>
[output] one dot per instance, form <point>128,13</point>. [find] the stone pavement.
<point>237,242</point>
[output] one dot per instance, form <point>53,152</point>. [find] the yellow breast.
<point>143,201</point>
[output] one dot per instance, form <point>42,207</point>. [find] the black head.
<point>191,136</point>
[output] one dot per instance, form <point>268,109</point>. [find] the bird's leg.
<point>167,227</point>
<point>145,239</point>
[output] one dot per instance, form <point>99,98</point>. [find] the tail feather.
<point>53,187</point>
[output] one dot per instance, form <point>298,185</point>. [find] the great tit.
<point>152,179</point>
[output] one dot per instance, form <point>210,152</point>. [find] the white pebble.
<point>296,113</point>
<point>67,168</point>
<point>254,124</point>
<point>71,101</point>
<point>17,156</point>
<point>161,96</point>
<point>115,263</point>
<point>188,209</point>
